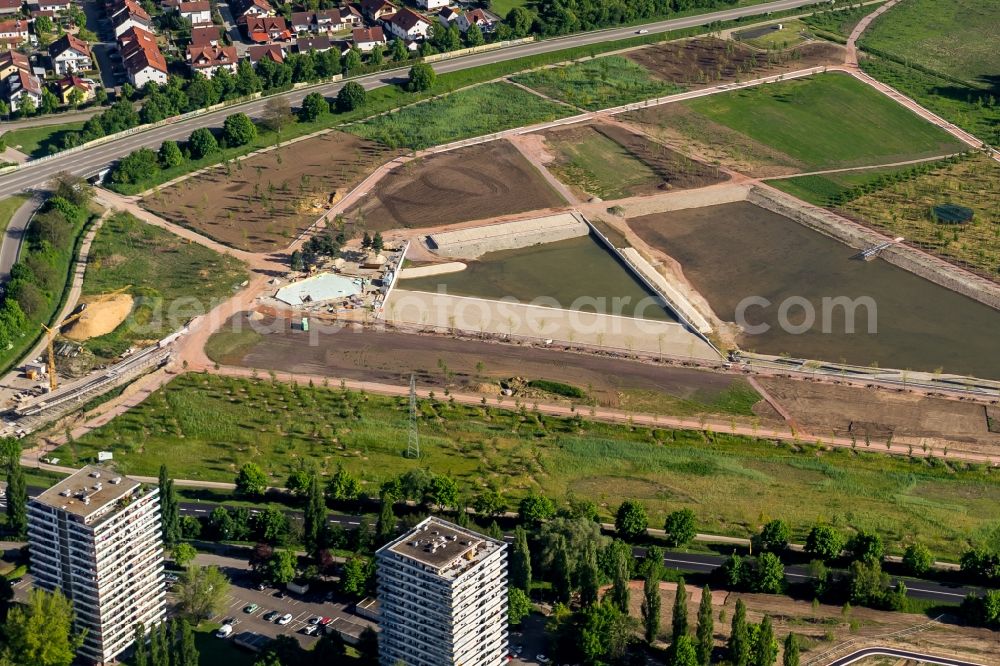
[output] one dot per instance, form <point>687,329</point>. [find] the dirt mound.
<point>100,318</point>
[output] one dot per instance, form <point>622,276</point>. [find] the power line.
<point>413,441</point>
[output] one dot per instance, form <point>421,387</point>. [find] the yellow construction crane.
<point>52,332</point>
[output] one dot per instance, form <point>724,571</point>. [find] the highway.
<point>93,159</point>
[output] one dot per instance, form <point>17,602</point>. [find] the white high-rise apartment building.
<point>442,593</point>
<point>96,536</point>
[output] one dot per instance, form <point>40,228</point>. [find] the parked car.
<point>315,619</point>
<point>325,621</point>
<point>225,631</point>
<point>270,615</point>
<point>231,620</point>
<point>310,629</point>
<point>285,619</point>
<point>250,608</point>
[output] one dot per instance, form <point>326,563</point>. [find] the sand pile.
<point>100,318</point>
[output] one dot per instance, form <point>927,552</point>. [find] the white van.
<point>225,631</point>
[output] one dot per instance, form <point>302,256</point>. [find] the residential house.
<point>486,21</point>
<point>330,20</point>
<point>128,15</point>
<point>319,43</point>
<point>407,25</point>
<point>142,58</point>
<point>274,52</point>
<point>54,6</point>
<point>247,8</point>
<point>210,59</point>
<point>351,16</point>
<point>11,61</point>
<point>10,6</point>
<point>196,11</point>
<point>14,31</point>
<point>22,85</point>
<point>69,54</point>
<point>373,10</point>
<point>366,39</point>
<point>303,21</point>
<point>447,16</point>
<point>263,29</point>
<point>65,86</point>
<point>205,35</point>
<point>432,4</point>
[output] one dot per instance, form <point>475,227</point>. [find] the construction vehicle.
<point>52,332</point>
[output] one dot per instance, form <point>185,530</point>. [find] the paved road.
<point>900,654</point>
<point>14,234</point>
<point>94,159</point>
<point>54,119</point>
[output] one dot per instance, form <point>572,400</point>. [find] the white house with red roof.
<point>366,39</point>
<point>407,25</point>
<point>210,59</point>
<point>22,85</point>
<point>54,6</point>
<point>10,6</point>
<point>142,57</point>
<point>196,11</point>
<point>69,54</point>
<point>14,31</point>
<point>487,21</point>
<point>247,8</point>
<point>263,29</point>
<point>129,14</point>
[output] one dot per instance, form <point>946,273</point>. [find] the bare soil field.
<point>262,203</point>
<point>613,162</point>
<point>390,357</point>
<point>471,183</point>
<point>709,61</point>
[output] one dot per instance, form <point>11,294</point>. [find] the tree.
<point>385,528</point>
<point>683,652</point>
<point>824,542</point>
<point>202,143</point>
<point>187,654</point>
<point>774,536</point>
<point>280,567</point>
<point>867,546</point>
<point>72,188</point>
<point>398,50</point>
<point>140,653</point>
<point>917,559</point>
<point>520,561</point>
<point>562,574</point>
<point>867,583</point>
<point>356,576</point>
<point>49,101</point>
<point>330,649</point>
<point>377,55</point>
<point>489,503</point>
<point>651,606</point>
<point>184,553</point>
<point>351,61</point>
<point>238,130</point>
<point>251,481</point>
<point>474,36</point>
<point>169,509</point>
<point>705,640</point>
<point>313,106</point>
<point>519,19</point>
<point>518,605</point>
<point>733,572</point>
<point>680,528</point>
<point>300,479</point>
<point>343,485</point>
<point>277,114</point>
<point>443,492</point>
<point>272,525</point>
<point>314,517</point>
<point>368,647</point>
<point>770,574</point>
<point>791,656</point>
<point>765,649</point>
<point>170,154</point>
<point>40,632</point>
<point>739,637</point>
<point>202,592</point>
<point>630,520</point>
<point>135,167</point>
<point>603,633</point>
<point>350,97</point>
<point>246,81</point>
<point>619,557</point>
<point>588,576</point>
<point>679,619</point>
<point>378,243</point>
<point>220,522</point>
<point>536,509</point>
<point>27,107</point>
<point>422,77</point>
<point>17,498</point>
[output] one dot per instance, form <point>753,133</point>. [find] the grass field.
<point>503,7</point>
<point>837,24</point>
<point>825,121</point>
<point>171,279</point>
<point>492,107</point>
<point>957,38</point>
<point>792,33</point>
<point>599,166</point>
<point>8,207</point>
<point>597,84</point>
<point>822,189</point>
<point>904,209</point>
<point>205,427</point>
<point>40,141</point>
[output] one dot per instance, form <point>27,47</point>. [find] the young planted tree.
<point>630,520</point>
<point>651,605</point>
<point>679,619</point>
<point>169,509</point>
<point>705,640</point>
<point>765,649</point>
<point>351,96</point>
<point>791,655</point>
<point>314,517</point>
<point>17,498</point>
<point>520,561</point>
<point>739,637</point>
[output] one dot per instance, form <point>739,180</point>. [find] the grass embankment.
<point>205,427</point>
<point>823,190</point>
<point>467,113</point>
<point>40,141</point>
<point>837,24</point>
<point>171,279</point>
<point>8,207</point>
<point>825,121</point>
<point>597,84</point>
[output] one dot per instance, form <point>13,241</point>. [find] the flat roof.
<point>443,547</point>
<point>88,492</point>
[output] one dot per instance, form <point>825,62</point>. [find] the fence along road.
<point>92,159</point>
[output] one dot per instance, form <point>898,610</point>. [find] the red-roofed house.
<point>263,29</point>
<point>407,25</point>
<point>196,11</point>
<point>69,54</point>
<point>14,31</point>
<point>22,85</point>
<point>128,15</point>
<point>373,10</point>
<point>303,21</point>
<point>210,59</point>
<point>432,4</point>
<point>486,21</point>
<point>66,85</point>
<point>274,52</point>
<point>10,6</point>
<point>142,58</point>
<point>11,61</point>
<point>243,8</point>
<point>54,6</point>
<point>367,38</point>
<point>351,16</point>
<point>205,35</point>
<point>330,20</point>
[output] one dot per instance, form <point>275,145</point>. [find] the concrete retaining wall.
<point>673,296</point>
<point>857,236</point>
<point>471,243</point>
<point>428,271</point>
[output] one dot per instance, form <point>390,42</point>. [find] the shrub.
<point>422,77</point>
<point>558,388</point>
<point>238,130</point>
<point>202,143</point>
<point>351,96</point>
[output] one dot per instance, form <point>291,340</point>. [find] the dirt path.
<point>864,168</point>
<point>527,145</point>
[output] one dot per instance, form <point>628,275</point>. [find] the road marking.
<point>199,510</point>
<point>950,594</point>
<point>351,522</point>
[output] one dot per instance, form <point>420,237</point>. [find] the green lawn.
<point>599,166</point>
<point>792,33</point>
<point>492,107</point>
<point>597,84</point>
<point>40,141</point>
<point>821,190</point>
<point>205,427</point>
<point>838,23</point>
<point>8,207</point>
<point>503,7</point>
<point>826,121</point>
<point>172,279</point>
<point>957,38</point>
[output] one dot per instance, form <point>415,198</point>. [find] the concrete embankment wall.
<point>471,243</point>
<point>435,269</point>
<point>857,236</point>
<point>673,295</point>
